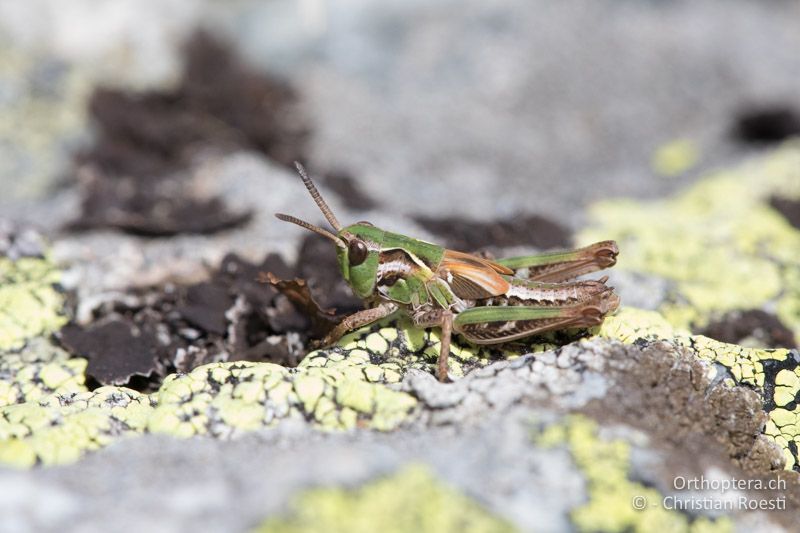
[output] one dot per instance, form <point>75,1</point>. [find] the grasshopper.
<point>485,301</point>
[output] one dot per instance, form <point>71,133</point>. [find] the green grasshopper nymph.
<point>482,300</point>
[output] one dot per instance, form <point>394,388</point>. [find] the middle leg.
<point>444,319</point>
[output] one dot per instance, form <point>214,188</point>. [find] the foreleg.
<point>357,320</point>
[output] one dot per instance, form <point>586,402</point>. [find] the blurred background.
<point>436,108</point>
<point>150,142</point>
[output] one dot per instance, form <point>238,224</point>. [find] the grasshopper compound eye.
<point>498,303</point>
<point>356,252</point>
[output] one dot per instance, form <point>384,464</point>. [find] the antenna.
<point>317,198</point>
<point>312,227</point>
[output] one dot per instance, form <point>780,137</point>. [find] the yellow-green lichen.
<point>720,241</point>
<point>62,427</point>
<point>30,306</point>
<point>42,119</point>
<point>341,388</point>
<point>225,399</point>
<point>353,385</point>
<point>48,416</point>
<point>774,373</point>
<point>412,499</point>
<point>675,157</point>
<point>615,502</point>
<point>384,355</point>
<point>38,370</point>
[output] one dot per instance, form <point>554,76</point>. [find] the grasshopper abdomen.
<point>485,301</point>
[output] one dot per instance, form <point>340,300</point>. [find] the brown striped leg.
<point>357,320</point>
<point>444,319</point>
<point>444,347</point>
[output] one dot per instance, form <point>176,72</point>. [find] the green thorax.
<point>362,277</point>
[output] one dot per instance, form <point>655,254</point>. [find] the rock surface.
<point>550,111</point>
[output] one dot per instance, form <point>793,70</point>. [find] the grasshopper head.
<point>357,245</point>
